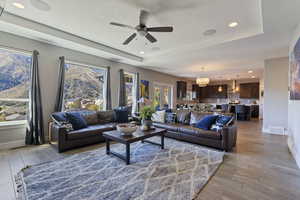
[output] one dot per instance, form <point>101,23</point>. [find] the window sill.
<point>13,124</point>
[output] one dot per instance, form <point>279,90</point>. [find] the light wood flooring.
<point>260,167</point>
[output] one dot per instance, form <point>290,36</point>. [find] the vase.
<point>146,124</point>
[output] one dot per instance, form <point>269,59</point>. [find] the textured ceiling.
<point>264,31</point>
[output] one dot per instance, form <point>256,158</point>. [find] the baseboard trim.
<point>293,150</point>
<point>11,145</point>
<point>266,130</point>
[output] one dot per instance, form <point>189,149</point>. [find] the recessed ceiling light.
<point>252,76</point>
<point>142,52</point>
<point>250,71</point>
<point>233,24</point>
<point>18,5</point>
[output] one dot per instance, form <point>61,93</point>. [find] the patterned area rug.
<point>177,173</point>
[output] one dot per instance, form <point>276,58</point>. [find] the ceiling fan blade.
<point>150,38</point>
<point>144,17</point>
<point>129,39</point>
<point>160,29</point>
<point>121,25</point>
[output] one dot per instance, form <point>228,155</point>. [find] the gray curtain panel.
<point>61,84</point>
<point>108,90</point>
<point>35,129</point>
<point>122,89</point>
<point>137,91</point>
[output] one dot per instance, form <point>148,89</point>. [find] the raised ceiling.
<point>264,31</point>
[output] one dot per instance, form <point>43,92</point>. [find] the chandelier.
<point>202,82</point>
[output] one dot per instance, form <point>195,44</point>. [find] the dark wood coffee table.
<point>127,140</point>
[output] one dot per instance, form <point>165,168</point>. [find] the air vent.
<point>209,32</point>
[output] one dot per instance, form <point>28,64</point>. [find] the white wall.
<point>275,113</point>
<point>49,67</point>
<point>294,114</point>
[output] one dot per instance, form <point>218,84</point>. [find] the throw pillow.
<point>159,116</point>
<point>224,120</point>
<point>207,122</point>
<point>122,115</point>
<point>91,118</point>
<point>77,121</point>
<point>59,117</point>
<point>183,116</point>
<point>216,128</point>
<point>105,117</point>
<point>170,117</point>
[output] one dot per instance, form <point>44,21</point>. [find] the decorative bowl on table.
<point>126,129</point>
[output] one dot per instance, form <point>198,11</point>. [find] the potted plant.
<point>146,115</point>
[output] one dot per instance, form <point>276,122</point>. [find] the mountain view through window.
<point>14,85</point>
<point>84,87</point>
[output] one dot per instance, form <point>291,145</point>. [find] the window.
<point>14,85</point>
<point>163,95</point>
<point>129,85</point>
<point>157,95</point>
<point>84,87</point>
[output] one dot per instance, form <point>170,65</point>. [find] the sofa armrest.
<point>59,132</point>
<point>229,137</point>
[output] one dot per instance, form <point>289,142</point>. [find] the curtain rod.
<point>8,48</point>
<point>84,64</point>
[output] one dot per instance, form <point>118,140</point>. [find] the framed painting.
<point>145,89</point>
<point>295,72</point>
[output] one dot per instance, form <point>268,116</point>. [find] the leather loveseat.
<point>67,139</point>
<point>183,129</point>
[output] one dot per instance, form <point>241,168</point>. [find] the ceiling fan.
<point>142,29</point>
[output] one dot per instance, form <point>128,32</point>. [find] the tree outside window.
<point>84,87</point>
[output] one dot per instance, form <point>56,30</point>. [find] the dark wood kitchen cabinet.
<point>212,91</point>
<point>195,91</point>
<point>249,90</point>
<point>181,89</point>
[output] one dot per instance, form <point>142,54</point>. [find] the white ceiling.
<point>264,31</point>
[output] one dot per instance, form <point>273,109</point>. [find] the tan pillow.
<point>106,116</point>
<point>91,118</point>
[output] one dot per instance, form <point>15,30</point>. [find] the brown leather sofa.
<point>67,139</point>
<point>183,129</point>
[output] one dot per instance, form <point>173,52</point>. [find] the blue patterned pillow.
<point>170,117</point>
<point>77,121</point>
<point>224,120</point>
<point>206,122</point>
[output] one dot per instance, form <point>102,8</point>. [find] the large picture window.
<point>14,85</point>
<point>84,87</point>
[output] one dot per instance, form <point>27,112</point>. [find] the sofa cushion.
<point>105,117</point>
<point>183,116</point>
<point>91,117</point>
<point>169,127</point>
<point>197,116</point>
<point>90,131</point>
<point>190,130</point>
<point>76,119</point>
<point>206,122</point>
